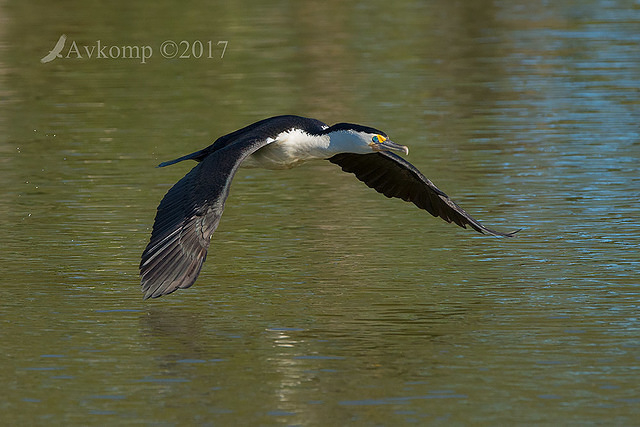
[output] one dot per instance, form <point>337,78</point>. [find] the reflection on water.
<point>322,302</point>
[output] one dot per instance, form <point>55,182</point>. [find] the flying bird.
<point>55,52</point>
<point>190,211</point>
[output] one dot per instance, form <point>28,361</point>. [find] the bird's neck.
<point>345,142</point>
<point>316,147</point>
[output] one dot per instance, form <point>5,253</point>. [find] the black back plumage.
<point>190,211</point>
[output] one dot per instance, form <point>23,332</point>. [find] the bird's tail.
<point>197,156</point>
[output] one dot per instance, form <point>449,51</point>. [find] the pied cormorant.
<point>190,211</point>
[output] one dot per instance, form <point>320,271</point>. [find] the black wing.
<point>393,176</point>
<point>187,217</point>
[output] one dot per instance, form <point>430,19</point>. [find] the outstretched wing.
<point>393,176</point>
<point>187,217</point>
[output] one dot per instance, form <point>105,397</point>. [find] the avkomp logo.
<point>55,52</point>
<point>169,49</point>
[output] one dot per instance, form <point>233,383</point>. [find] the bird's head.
<point>349,137</point>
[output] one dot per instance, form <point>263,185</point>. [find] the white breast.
<point>290,149</point>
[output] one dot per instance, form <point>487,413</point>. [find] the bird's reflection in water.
<point>175,334</point>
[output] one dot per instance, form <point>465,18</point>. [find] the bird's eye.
<point>377,139</point>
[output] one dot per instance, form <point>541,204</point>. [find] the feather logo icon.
<point>55,52</point>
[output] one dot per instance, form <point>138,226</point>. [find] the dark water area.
<point>321,301</point>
